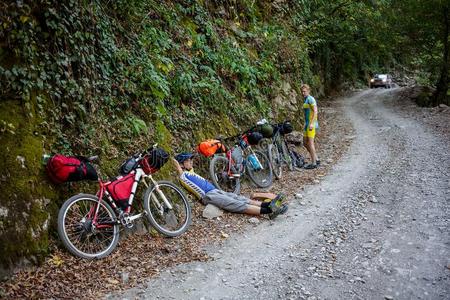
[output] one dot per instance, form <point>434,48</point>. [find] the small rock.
<point>373,199</point>
<point>125,277</point>
<point>367,245</point>
<point>212,211</point>
<point>298,196</point>
<point>388,297</point>
<point>21,160</point>
<point>253,220</point>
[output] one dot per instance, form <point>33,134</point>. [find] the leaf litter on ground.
<point>141,256</point>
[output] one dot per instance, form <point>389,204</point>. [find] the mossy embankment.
<point>110,79</point>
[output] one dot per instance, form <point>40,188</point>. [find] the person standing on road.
<point>311,124</point>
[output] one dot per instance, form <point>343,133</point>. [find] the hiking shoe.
<point>279,211</point>
<point>276,202</point>
<point>310,166</point>
<point>318,162</point>
<point>284,208</point>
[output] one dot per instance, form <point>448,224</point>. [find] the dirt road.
<point>377,227</point>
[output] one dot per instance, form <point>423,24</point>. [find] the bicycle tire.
<point>218,170</point>
<point>79,235</point>
<point>275,160</point>
<point>262,178</point>
<point>180,207</point>
<point>286,155</point>
<point>264,143</point>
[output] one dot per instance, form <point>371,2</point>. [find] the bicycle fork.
<point>161,194</point>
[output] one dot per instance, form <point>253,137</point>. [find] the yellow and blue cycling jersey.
<point>308,107</point>
<point>196,184</point>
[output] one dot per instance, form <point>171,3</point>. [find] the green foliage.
<point>422,29</point>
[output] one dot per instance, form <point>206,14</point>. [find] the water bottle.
<point>254,162</point>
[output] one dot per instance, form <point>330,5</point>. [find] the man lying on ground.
<point>209,194</point>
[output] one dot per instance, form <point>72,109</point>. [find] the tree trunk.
<point>440,95</point>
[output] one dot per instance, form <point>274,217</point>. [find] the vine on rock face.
<point>112,77</point>
<point>94,61</point>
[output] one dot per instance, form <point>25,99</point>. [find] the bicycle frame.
<point>139,176</point>
<point>245,151</point>
<point>277,141</point>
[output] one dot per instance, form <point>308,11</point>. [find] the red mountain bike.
<point>227,169</point>
<point>88,225</point>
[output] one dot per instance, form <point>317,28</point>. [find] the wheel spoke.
<point>166,220</point>
<point>221,178</point>
<point>78,230</point>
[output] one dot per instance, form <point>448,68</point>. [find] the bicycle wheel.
<point>264,143</point>
<point>168,221</point>
<point>286,155</point>
<point>218,170</point>
<point>80,235</point>
<point>262,177</point>
<point>275,160</point>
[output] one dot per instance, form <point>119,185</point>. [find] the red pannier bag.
<point>62,169</point>
<point>210,147</point>
<point>120,189</point>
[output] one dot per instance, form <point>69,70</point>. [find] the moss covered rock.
<point>26,198</point>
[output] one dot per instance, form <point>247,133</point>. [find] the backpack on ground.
<point>120,189</point>
<point>62,169</point>
<point>297,159</point>
<point>210,147</point>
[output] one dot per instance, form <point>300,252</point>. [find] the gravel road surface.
<point>377,227</point>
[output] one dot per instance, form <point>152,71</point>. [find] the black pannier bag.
<point>254,138</point>
<point>286,127</point>
<point>154,160</point>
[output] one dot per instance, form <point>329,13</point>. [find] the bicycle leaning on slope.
<point>278,151</point>
<point>88,225</point>
<point>227,169</point>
